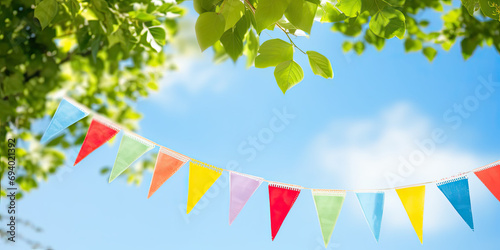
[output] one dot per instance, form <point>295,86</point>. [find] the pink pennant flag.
<point>242,188</point>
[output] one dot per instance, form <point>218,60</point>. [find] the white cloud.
<point>366,152</point>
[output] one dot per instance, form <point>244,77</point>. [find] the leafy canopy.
<point>105,54</point>
<point>377,19</point>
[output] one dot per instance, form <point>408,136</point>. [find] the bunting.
<point>201,177</point>
<point>66,114</point>
<point>242,187</point>
<point>167,163</point>
<point>281,199</point>
<point>131,148</point>
<point>413,201</point>
<point>98,134</point>
<point>328,204</point>
<point>456,189</point>
<point>490,177</point>
<point>372,204</point>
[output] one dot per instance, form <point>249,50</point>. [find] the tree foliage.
<point>105,54</point>
<point>233,31</point>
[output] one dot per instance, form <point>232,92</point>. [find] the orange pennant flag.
<point>167,163</point>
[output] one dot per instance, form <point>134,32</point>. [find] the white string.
<point>116,124</point>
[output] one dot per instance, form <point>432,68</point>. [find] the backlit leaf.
<point>320,65</point>
<point>273,52</point>
<point>288,74</point>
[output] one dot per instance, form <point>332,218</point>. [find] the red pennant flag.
<point>281,199</point>
<point>167,163</point>
<point>98,134</point>
<point>490,176</point>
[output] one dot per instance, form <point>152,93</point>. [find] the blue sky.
<point>347,133</point>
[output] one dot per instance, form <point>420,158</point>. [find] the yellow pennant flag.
<point>413,201</point>
<point>201,177</point>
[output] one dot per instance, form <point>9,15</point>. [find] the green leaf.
<point>395,3</point>
<point>153,85</point>
<point>156,36</point>
<point>374,40</point>
<point>332,14</point>
<point>350,8</point>
<point>233,43</point>
<point>471,5</point>
<point>469,44</point>
<point>346,46</point>
<point>220,54</point>
<point>269,12</point>
<point>73,6</point>
<point>202,6</point>
<point>142,16</point>
<point>45,11</point>
<point>320,65</point>
<point>13,84</point>
<point>104,170</point>
<point>232,10</point>
<point>388,23</point>
<point>209,28</point>
<point>348,28</point>
<point>251,47</point>
<point>273,52</point>
<point>288,74</point>
<point>301,14</point>
<point>424,23</point>
<point>372,6</point>
<point>430,53</point>
<point>359,47</point>
<point>490,8</point>
<point>412,45</point>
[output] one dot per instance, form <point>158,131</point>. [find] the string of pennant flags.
<point>282,196</point>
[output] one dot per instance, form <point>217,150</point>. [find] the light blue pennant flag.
<point>457,191</point>
<point>66,114</point>
<point>372,204</point>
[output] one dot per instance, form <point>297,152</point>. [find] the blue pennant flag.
<point>373,207</point>
<point>66,114</point>
<point>457,192</point>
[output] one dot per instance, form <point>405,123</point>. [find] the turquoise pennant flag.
<point>131,148</point>
<point>457,191</point>
<point>372,204</point>
<point>66,114</point>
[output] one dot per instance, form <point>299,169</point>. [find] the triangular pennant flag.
<point>328,205</point>
<point>98,134</point>
<point>167,163</point>
<point>66,114</point>
<point>456,189</point>
<point>413,201</point>
<point>201,177</point>
<point>281,199</point>
<point>372,204</point>
<point>131,148</point>
<point>490,177</point>
<point>242,188</point>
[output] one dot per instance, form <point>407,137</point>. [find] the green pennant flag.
<point>328,205</point>
<point>131,148</point>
